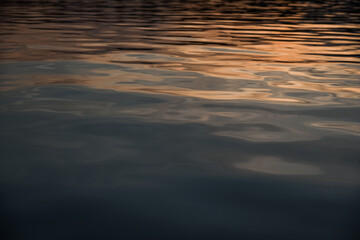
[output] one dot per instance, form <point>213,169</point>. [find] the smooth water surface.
<point>175,119</point>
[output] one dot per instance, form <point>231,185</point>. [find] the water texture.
<point>175,119</point>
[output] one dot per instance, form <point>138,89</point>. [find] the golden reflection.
<point>259,61</point>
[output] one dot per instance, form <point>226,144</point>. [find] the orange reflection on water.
<point>237,55</point>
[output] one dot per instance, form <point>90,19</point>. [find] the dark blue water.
<point>180,120</point>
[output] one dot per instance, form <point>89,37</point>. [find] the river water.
<point>178,119</point>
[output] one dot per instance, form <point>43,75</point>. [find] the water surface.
<point>180,119</point>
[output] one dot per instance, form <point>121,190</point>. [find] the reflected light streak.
<point>277,166</point>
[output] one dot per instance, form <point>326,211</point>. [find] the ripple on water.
<point>180,119</point>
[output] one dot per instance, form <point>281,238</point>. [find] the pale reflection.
<point>249,94</point>
<point>276,165</point>
<point>351,128</point>
<point>254,134</point>
<point>339,91</point>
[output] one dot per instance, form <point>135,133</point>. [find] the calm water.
<point>180,119</point>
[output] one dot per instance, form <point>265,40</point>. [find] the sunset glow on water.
<point>174,119</point>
